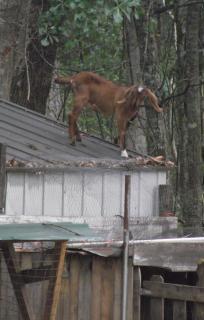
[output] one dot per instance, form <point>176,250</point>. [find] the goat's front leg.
<point>77,133</point>
<point>74,134</point>
<point>122,127</point>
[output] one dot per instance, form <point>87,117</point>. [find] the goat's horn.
<point>140,89</point>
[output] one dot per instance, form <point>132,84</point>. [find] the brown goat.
<point>108,98</point>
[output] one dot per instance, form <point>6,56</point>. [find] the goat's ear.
<point>140,89</point>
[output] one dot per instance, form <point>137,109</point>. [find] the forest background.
<point>159,43</point>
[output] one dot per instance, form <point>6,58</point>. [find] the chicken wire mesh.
<point>27,277</point>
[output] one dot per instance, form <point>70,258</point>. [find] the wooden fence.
<point>92,290</point>
<point>186,302</point>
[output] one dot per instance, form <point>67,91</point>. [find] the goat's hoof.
<point>78,138</point>
<point>124,154</point>
<point>73,142</point>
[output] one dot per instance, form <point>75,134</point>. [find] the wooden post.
<point>199,307</point>
<point>17,281</point>
<point>2,177</point>
<point>126,245</point>
<point>157,304</point>
<point>55,281</point>
<point>136,293</point>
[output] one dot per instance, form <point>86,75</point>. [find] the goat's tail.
<point>63,80</point>
<point>153,100</point>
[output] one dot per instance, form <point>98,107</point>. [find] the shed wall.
<point>91,288</point>
<point>82,195</point>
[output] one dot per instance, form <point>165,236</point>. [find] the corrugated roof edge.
<point>40,115</point>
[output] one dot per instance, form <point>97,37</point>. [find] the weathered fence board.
<point>117,289</point>
<point>130,292</point>
<point>136,294</point>
<point>74,287</point>
<point>179,310</point>
<point>173,291</point>
<point>107,290</point>
<point>157,304</point>
<point>84,289</point>
<point>96,288</point>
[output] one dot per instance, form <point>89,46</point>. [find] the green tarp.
<point>46,232</point>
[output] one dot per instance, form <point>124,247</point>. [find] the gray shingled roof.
<point>30,136</point>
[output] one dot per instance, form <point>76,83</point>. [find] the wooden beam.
<point>17,281</point>
<point>55,280</point>
<point>2,177</point>
<point>173,291</point>
<point>178,256</point>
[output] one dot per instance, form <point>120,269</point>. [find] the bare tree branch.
<point>171,6</point>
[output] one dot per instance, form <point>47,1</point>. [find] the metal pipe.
<point>119,243</point>
<point>126,246</point>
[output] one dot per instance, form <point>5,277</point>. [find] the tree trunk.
<point>201,36</point>
<point>189,115</point>
<point>13,23</point>
<point>36,74</point>
<point>135,138</point>
<point>151,78</point>
<point>142,56</point>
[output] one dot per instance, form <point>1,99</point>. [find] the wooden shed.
<point>47,178</point>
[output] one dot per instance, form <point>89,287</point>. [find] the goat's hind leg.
<point>74,134</point>
<point>71,130</point>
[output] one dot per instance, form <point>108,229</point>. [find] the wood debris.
<point>126,164</point>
